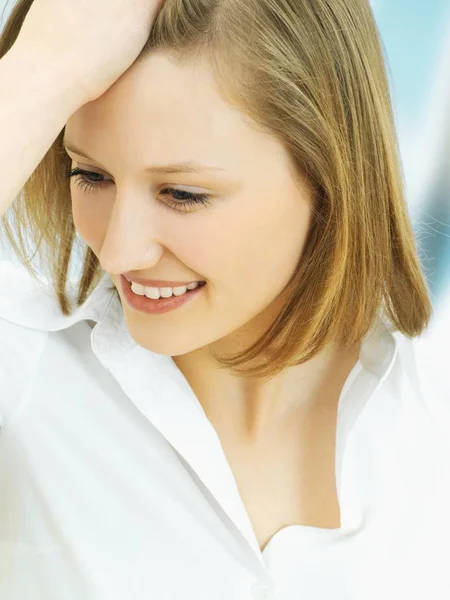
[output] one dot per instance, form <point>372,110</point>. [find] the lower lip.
<point>156,307</point>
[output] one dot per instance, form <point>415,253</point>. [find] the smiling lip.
<point>162,305</point>
<point>157,283</point>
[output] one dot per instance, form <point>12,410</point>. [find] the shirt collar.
<point>159,390</point>
<point>162,394</point>
<point>33,304</point>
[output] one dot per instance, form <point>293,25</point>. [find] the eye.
<point>88,181</point>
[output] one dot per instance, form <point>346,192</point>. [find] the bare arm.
<point>36,101</point>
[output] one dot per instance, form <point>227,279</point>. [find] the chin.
<point>154,342</point>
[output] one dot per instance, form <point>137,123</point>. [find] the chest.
<point>287,477</point>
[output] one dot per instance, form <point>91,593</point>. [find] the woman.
<point>237,415</point>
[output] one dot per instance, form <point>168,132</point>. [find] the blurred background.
<point>416,38</point>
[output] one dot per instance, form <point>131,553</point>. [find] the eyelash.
<point>91,186</point>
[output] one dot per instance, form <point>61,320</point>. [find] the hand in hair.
<point>92,42</point>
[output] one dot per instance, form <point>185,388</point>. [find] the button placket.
<point>263,591</point>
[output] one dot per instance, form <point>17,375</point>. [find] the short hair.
<point>311,73</point>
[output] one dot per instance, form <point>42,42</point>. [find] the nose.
<point>130,241</point>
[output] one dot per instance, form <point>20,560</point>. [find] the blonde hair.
<point>312,74</point>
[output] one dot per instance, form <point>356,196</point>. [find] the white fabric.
<point>114,484</point>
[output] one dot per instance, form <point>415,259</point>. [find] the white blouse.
<point>114,484</point>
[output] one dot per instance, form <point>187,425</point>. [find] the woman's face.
<point>245,243</point>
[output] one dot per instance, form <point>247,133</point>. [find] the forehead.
<point>163,111</point>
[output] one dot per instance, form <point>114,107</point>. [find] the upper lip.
<point>156,282</point>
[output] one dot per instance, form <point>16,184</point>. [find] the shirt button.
<point>263,591</point>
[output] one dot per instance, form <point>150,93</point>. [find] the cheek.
<point>259,247</point>
<point>90,218</point>
<point>193,245</point>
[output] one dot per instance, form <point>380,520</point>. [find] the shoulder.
<point>24,300</point>
<point>32,303</point>
<point>15,281</point>
<point>20,347</point>
<point>29,315</point>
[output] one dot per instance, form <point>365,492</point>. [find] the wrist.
<point>48,77</point>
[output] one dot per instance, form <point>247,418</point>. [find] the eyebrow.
<point>177,167</point>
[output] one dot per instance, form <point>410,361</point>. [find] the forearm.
<point>36,101</point>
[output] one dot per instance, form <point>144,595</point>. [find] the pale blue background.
<point>412,33</point>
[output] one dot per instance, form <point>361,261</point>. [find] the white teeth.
<point>165,292</point>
